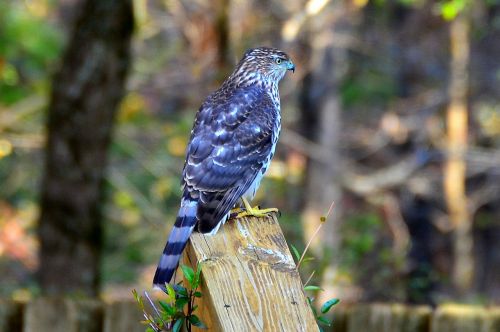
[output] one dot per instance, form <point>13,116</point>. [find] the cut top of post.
<point>250,281</point>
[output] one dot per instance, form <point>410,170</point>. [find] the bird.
<point>232,142</point>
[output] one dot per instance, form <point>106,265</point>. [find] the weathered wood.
<point>465,318</point>
<point>63,315</point>
<point>389,318</point>
<point>250,281</point>
<point>123,316</point>
<point>11,316</point>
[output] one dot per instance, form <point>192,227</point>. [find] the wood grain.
<point>249,279</point>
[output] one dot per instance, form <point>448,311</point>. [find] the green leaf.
<point>328,305</point>
<point>197,276</point>
<point>315,313</point>
<point>138,299</point>
<point>310,301</point>
<point>452,8</point>
<point>170,292</point>
<point>312,288</point>
<point>323,320</point>
<point>181,302</point>
<point>165,317</point>
<point>197,322</point>
<point>197,294</point>
<point>195,283</point>
<point>178,325</point>
<point>449,11</point>
<point>188,274</point>
<point>182,291</point>
<point>169,310</point>
<point>295,252</point>
<point>307,259</point>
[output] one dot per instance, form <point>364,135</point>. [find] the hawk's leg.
<point>254,211</point>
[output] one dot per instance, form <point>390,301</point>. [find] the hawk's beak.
<point>290,66</point>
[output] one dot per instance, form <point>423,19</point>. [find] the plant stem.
<point>310,277</point>
<point>322,221</point>
<point>308,244</point>
<point>154,307</point>
<point>190,310</point>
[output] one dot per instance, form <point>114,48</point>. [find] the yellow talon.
<point>235,212</point>
<point>254,211</point>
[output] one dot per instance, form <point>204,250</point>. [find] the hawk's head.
<point>266,62</point>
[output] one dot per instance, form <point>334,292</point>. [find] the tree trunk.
<point>222,27</point>
<point>86,91</point>
<point>321,100</point>
<point>455,167</point>
<point>321,119</point>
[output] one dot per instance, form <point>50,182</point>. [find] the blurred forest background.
<point>393,113</point>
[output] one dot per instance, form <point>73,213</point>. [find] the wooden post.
<point>249,279</point>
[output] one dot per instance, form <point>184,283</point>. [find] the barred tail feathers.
<point>177,240</point>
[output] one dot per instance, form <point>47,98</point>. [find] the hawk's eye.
<point>278,61</point>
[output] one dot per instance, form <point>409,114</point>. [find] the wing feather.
<point>230,143</point>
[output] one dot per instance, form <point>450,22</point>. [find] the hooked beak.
<point>290,66</point>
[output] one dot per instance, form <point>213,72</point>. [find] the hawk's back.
<point>231,145</point>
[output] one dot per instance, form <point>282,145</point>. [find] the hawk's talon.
<point>234,212</point>
<point>237,210</point>
<point>255,211</point>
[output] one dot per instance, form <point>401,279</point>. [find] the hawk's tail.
<point>183,227</point>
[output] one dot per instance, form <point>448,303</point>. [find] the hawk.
<point>232,142</point>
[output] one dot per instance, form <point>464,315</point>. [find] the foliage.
<point>28,48</point>
<point>369,256</point>
<point>178,309</point>
<point>367,85</point>
<point>359,238</point>
<point>451,8</point>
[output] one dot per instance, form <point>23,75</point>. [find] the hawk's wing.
<point>231,141</point>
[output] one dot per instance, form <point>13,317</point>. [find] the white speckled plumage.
<point>232,143</point>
